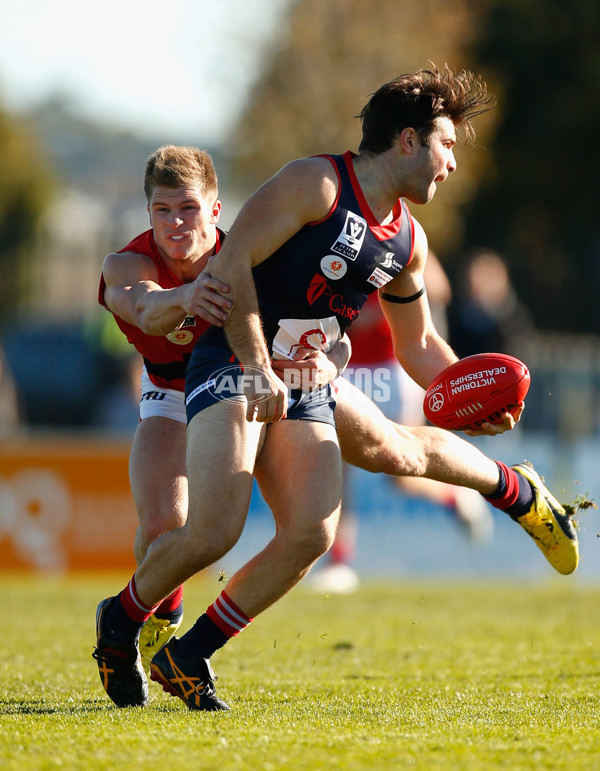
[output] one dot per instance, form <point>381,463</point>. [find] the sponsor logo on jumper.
<point>333,267</point>
<point>389,262</point>
<point>320,334</point>
<point>386,260</point>
<point>471,380</point>
<point>350,240</point>
<point>318,287</point>
<point>379,278</point>
<point>183,334</point>
<point>313,338</point>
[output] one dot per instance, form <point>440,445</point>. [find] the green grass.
<point>403,676</point>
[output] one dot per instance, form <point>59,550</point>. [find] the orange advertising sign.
<point>65,504</point>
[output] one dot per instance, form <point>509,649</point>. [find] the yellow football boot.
<point>548,524</point>
<point>155,634</point>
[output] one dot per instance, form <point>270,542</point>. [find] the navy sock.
<point>173,616</point>
<point>118,626</point>
<point>524,500</point>
<point>514,493</point>
<point>202,640</point>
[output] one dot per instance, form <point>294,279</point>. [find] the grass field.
<point>421,675</point>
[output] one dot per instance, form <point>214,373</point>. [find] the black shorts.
<point>213,375</point>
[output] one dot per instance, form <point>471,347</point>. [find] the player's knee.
<point>208,547</point>
<point>196,554</point>
<point>312,543</point>
<point>156,523</point>
<point>151,530</point>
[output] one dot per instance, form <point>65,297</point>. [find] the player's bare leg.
<point>158,479</point>
<point>300,476</point>
<point>306,513</point>
<point>159,486</point>
<point>220,485</point>
<point>371,441</point>
<point>221,452</point>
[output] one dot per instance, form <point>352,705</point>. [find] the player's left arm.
<point>419,348</point>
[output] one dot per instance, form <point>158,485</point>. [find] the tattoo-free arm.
<point>133,293</point>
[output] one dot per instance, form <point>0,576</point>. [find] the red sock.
<point>133,606</point>
<point>226,615</point>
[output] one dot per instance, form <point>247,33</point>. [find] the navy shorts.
<point>213,375</point>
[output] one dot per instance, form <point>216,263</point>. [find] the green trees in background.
<point>329,60</point>
<point>528,190</point>
<point>539,202</point>
<point>26,184</point>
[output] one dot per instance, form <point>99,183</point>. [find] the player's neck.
<point>376,180</point>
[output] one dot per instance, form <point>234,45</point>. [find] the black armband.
<point>392,298</point>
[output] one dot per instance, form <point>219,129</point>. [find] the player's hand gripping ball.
<point>476,390</point>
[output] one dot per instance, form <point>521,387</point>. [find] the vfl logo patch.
<point>333,267</point>
<point>350,240</point>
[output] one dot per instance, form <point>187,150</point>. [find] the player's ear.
<point>409,140</point>
<point>216,212</point>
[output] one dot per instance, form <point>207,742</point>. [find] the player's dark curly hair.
<point>416,100</point>
<point>173,166</point>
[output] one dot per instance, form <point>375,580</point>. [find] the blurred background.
<point>86,93</point>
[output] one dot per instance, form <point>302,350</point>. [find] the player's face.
<point>184,222</point>
<point>433,163</point>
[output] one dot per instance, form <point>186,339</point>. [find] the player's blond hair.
<point>173,166</point>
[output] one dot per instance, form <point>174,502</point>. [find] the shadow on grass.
<point>43,707</point>
<point>82,708</point>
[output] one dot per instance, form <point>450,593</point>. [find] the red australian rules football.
<point>476,390</point>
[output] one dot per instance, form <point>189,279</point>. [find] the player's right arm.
<point>133,293</point>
